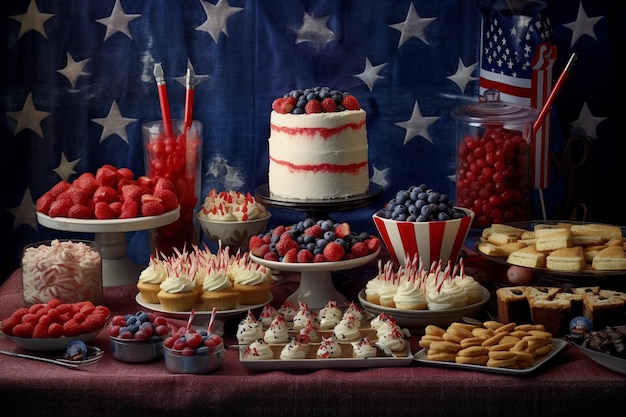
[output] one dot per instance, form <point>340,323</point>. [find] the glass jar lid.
<point>494,112</point>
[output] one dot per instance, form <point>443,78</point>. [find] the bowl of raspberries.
<point>420,221</point>
<point>51,326</point>
<point>138,337</point>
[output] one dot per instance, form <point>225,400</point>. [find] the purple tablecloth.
<point>569,384</point>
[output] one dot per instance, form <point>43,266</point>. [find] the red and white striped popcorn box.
<point>431,241</point>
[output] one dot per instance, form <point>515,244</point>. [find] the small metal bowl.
<point>136,351</point>
<point>204,361</point>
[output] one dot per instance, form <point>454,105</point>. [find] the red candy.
<point>493,176</point>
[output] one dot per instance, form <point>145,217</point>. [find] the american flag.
<point>517,57</point>
<point>77,84</point>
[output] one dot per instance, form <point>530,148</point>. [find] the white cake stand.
<point>117,269</point>
<point>316,284</point>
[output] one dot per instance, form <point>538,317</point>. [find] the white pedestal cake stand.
<point>316,285</point>
<point>117,269</point>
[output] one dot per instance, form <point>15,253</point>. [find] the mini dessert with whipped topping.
<point>259,349</point>
<point>267,315</point>
<point>178,291</point>
<point>249,329</point>
<point>329,348</point>
<point>330,315</point>
<point>348,329</point>
<point>252,284</point>
<point>217,290</point>
<point>303,316</point>
<point>231,206</point>
<point>364,348</point>
<point>309,334</point>
<point>277,332</point>
<point>392,341</point>
<point>288,311</point>
<point>295,349</point>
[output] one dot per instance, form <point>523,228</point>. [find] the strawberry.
<point>106,194</point>
<point>126,173</point>
<point>342,230</point>
<point>86,181</point>
<point>278,230</point>
<point>145,182</point>
<point>319,257</point>
<point>147,197</point>
<point>151,208</point>
<point>71,328</point>
<point>130,209</point>
<point>304,256</point>
<point>124,181</point>
<point>132,192</point>
<point>59,187</point>
<point>77,195</point>
<point>350,103</point>
<point>44,202</point>
<point>271,256</point>
<point>255,242</point>
<point>334,252</point>
<point>102,211</point>
<point>359,249</point>
<point>373,243</point>
<point>328,105</point>
<point>41,331</point>
<point>291,256</point>
<point>116,207</point>
<point>168,199</point>
<point>55,330</point>
<point>313,106</point>
<point>107,175</point>
<point>315,231</point>
<point>22,330</point>
<point>260,250</point>
<point>286,243</point>
<point>284,105</point>
<point>163,183</point>
<point>79,211</point>
<point>59,208</point>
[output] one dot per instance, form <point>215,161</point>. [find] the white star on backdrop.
<point>227,175</point>
<point>413,26</point>
<point>66,168</point>
<point>380,177</point>
<point>32,20</point>
<point>583,25</point>
<point>586,122</point>
<point>73,69</point>
<point>216,16</point>
<point>25,213</point>
<point>117,21</point>
<point>370,74</point>
<point>463,75</point>
<point>417,125</point>
<point>197,78</point>
<point>315,30</point>
<point>29,117</point>
<point>114,123</point>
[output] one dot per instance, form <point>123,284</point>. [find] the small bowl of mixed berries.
<point>422,222</point>
<point>191,351</point>
<point>138,338</point>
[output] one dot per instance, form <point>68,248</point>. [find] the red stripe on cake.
<point>353,169</point>
<point>325,133</point>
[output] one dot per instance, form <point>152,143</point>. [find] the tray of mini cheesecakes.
<point>565,248</point>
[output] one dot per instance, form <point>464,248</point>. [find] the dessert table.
<point>569,384</point>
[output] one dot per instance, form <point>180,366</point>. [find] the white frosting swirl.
<point>258,349</point>
<point>295,350</point>
<point>216,280</point>
<point>154,273</point>
<point>230,206</point>
<point>393,341</point>
<point>277,332</point>
<point>459,298</point>
<point>248,331</point>
<point>471,288</point>
<point>364,348</point>
<point>250,277</point>
<point>347,329</point>
<point>177,284</point>
<point>409,292</point>
<point>439,300</point>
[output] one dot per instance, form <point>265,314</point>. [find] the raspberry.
<point>79,317</point>
<point>284,105</point>
<point>71,328</point>
<point>55,330</point>
<point>19,313</point>
<point>313,106</point>
<point>23,330</point>
<point>54,303</point>
<point>40,331</point>
<point>33,309</point>
<point>334,252</point>
<point>117,208</point>
<point>304,256</point>
<point>319,258</point>
<point>350,103</point>
<point>90,324</point>
<point>328,105</point>
<point>359,249</point>
<point>278,230</point>
<point>286,243</point>
<point>261,250</point>
<point>271,256</point>
<point>30,318</point>
<point>102,311</point>
<point>255,242</point>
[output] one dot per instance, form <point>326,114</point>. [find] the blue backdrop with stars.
<point>76,85</point>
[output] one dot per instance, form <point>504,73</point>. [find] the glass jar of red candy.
<point>493,161</point>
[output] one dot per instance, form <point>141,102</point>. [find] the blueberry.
<point>329,236</point>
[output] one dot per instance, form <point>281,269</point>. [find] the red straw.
<point>557,87</point>
<point>163,99</point>
<point>210,329</point>
<point>191,314</point>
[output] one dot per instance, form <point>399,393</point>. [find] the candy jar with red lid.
<point>493,160</point>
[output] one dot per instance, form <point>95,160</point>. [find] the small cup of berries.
<point>138,338</point>
<point>422,222</point>
<point>191,351</point>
